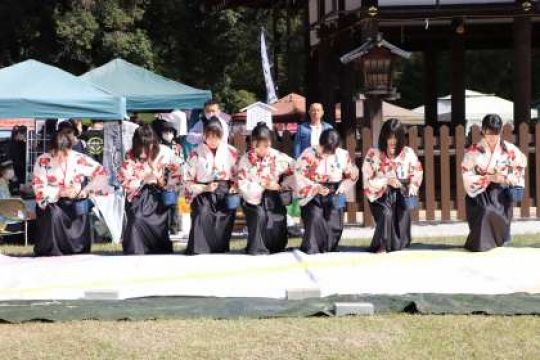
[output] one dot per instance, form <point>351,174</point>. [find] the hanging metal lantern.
<point>376,59</point>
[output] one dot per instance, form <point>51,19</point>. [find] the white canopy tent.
<point>477,105</point>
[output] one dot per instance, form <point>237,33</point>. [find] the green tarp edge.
<point>230,308</point>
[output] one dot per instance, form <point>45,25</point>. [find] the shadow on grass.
<point>352,248</point>
<point>347,246</point>
<point>435,247</point>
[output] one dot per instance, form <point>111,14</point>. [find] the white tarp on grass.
<point>501,271</point>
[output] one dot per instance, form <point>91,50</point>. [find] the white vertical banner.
<point>271,96</point>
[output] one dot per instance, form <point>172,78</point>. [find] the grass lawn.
<point>352,244</point>
<point>398,336</point>
<point>380,337</point>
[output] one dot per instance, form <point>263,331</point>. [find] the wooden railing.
<point>442,196</point>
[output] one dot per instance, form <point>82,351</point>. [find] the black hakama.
<point>60,231</point>
<point>489,215</point>
<point>175,221</point>
<point>211,222</point>
<point>267,225</point>
<point>147,228</point>
<point>393,222</point>
<point>323,224</point>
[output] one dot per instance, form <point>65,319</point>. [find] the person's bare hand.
<point>83,194</point>
<point>324,191</point>
<point>395,183</point>
<point>68,193</point>
<point>211,187</point>
<point>150,178</point>
<point>271,185</point>
<point>497,178</point>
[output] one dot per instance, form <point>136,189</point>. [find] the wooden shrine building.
<point>352,46</point>
<point>336,27</point>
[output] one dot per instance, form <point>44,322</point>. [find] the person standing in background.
<point>308,133</point>
<point>78,145</point>
<point>211,109</point>
<point>6,175</point>
<point>17,154</point>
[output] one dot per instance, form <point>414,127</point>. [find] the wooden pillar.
<point>458,79</point>
<point>347,98</point>
<point>373,116</point>
<point>347,86</point>
<point>288,17</point>
<point>522,70</point>
<point>430,94</point>
<point>312,78</point>
<point>328,71</point>
<point>311,62</point>
<point>348,128</point>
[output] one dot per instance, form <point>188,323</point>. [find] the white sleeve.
<point>225,131</point>
<point>182,123</point>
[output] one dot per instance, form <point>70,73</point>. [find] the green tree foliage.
<point>211,50</point>
<point>221,50</point>
<point>92,32</point>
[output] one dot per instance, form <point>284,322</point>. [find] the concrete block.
<point>353,308</point>
<point>302,293</point>
<point>101,295</point>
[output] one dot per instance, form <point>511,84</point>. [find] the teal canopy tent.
<point>31,89</point>
<point>145,90</point>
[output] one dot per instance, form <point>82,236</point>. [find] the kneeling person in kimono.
<point>210,177</point>
<point>62,212</point>
<point>322,175</point>
<point>391,173</point>
<point>148,171</point>
<point>490,169</point>
<point>259,173</point>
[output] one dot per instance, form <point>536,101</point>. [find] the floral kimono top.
<point>313,169</point>
<point>50,177</point>
<point>204,167</point>
<point>479,162</point>
<point>252,171</point>
<point>378,167</point>
<point>167,167</point>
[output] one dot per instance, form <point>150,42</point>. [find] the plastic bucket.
<point>516,193</point>
<point>411,202</point>
<point>169,198</point>
<point>339,201</point>
<point>82,207</point>
<point>233,201</point>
